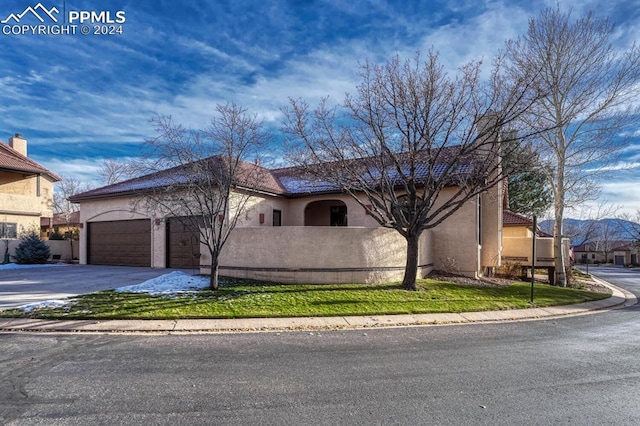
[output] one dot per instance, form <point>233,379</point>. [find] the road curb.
<point>620,298</point>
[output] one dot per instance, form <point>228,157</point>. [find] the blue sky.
<point>79,99</point>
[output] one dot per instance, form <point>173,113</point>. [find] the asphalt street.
<point>575,370</point>
<point>625,278</point>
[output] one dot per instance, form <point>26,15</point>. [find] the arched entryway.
<point>325,213</point>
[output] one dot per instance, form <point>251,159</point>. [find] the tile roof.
<point>511,218</point>
<point>595,246</point>
<point>299,183</point>
<point>59,220</point>
<point>182,175</point>
<point>12,160</point>
<point>289,181</point>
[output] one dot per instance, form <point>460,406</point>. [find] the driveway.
<point>21,286</point>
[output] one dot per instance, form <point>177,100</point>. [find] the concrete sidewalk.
<point>619,298</point>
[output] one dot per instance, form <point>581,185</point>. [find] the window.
<point>8,230</point>
<point>277,218</point>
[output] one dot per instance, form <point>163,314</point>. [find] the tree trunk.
<point>411,267</point>
<point>559,261</point>
<point>213,279</point>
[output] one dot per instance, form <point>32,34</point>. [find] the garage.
<point>183,244</point>
<point>121,243</point>
<point>619,260</point>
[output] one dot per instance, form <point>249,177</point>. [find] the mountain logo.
<point>38,11</point>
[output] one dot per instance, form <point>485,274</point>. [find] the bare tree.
<point>589,93</point>
<point>608,237</point>
<point>67,187</point>
<point>114,171</point>
<point>64,208</point>
<point>631,225</point>
<point>201,176</point>
<point>413,145</point>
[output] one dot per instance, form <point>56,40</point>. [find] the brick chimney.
<point>18,143</point>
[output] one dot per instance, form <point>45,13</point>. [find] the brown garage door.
<point>123,242</point>
<point>183,246</point>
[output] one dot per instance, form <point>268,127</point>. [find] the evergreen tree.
<point>32,250</point>
<point>529,194</point>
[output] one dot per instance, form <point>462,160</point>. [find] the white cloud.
<point>625,193</point>
<point>85,170</point>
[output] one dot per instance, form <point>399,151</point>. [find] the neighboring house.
<point>616,252</point>
<point>26,190</point>
<point>61,225</point>
<point>517,225</point>
<point>517,245</point>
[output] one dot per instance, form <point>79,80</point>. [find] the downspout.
<point>478,235</point>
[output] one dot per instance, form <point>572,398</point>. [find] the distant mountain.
<point>581,231</point>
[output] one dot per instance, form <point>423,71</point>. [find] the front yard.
<point>251,299</point>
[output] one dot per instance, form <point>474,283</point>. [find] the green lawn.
<point>246,299</point>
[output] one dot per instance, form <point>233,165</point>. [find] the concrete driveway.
<point>21,286</point>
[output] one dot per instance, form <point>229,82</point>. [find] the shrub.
<point>32,250</point>
<point>56,236</point>
<point>511,270</point>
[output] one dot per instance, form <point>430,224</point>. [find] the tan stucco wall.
<point>519,249</point>
<point>455,242</point>
<point>513,231</point>
<point>19,202</point>
<point>491,247</point>
<point>60,248</point>
<point>317,254</point>
<point>257,205</point>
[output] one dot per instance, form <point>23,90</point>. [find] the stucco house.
<point>295,230</point>
<point>26,189</point>
<point>622,253</point>
<point>517,247</point>
<point>61,224</point>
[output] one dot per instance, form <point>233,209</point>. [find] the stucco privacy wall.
<point>519,249</point>
<point>317,254</point>
<point>61,249</point>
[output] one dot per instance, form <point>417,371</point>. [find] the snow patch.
<point>55,303</point>
<point>172,283</point>
<point>17,266</point>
